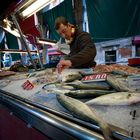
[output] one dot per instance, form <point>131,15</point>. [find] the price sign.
<point>95,77</point>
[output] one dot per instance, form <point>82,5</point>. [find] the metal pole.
<point>23,39</point>
<point>0,61</point>
<point>38,53</point>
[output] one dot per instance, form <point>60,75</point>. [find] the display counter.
<point>47,121</point>
<point>42,112</point>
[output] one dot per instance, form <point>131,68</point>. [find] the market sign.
<point>95,77</point>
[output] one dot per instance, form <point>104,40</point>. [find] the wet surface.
<point>125,117</point>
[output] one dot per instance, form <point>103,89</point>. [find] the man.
<point>82,48</point>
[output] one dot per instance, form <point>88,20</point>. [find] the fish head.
<point>71,94</point>
<point>71,77</point>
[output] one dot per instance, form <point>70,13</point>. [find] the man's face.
<point>65,31</point>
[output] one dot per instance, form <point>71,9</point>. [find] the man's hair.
<point>59,21</point>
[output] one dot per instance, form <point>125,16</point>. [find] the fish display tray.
<point>124,117</point>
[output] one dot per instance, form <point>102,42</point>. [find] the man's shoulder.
<point>80,32</point>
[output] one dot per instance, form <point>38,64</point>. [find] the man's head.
<point>64,28</point>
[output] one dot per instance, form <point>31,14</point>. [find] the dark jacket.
<point>82,50</point>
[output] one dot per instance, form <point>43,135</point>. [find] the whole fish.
<point>117,84</point>
<point>71,77</point>
<point>79,85</point>
<point>83,112</point>
<point>57,90</point>
<point>118,98</point>
<point>79,94</point>
<point>121,72</point>
<point>56,85</point>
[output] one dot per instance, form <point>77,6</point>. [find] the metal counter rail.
<point>52,120</point>
<point>51,125</point>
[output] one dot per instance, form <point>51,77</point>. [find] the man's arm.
<point>63,64</point>
<point>87,53</point>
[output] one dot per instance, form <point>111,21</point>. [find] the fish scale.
<point>118,98</point>
<point>79,85</point>
<point>117,84</point>
<point>82,111</point>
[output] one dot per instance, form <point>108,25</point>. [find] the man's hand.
<point>63,64</point>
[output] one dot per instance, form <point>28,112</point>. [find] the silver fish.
<point>57,88</point>
<point>71,77</point>
<point>79,94</point>
<point>83,112</point>
<point>118,98</point>
<point>117,84</point>
<point>79,85</point>
<point>121,72</point>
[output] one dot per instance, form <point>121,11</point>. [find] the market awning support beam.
<point>22,38</point>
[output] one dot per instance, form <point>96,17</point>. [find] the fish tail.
<point>106,130</point>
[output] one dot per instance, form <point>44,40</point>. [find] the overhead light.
<point>46,41</point>
<point>13,32</point>
<point>17,51</point>
<point>35,7</point>
<point>7,26</point>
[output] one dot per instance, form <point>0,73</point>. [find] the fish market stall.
<point>71,106</point>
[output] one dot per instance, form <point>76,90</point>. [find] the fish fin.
<point>107,131</point>
<point>118,129</point>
